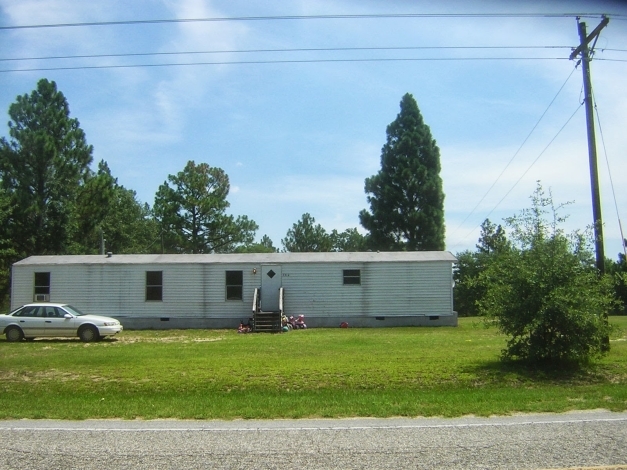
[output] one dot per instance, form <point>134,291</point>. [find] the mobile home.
<point>366,289</point>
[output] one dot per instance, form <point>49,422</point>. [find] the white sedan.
<point>48,319</point>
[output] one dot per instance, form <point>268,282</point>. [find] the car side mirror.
<point>67,315</point>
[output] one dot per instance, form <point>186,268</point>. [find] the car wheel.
<point>14,334</point>
<point>88,334</point>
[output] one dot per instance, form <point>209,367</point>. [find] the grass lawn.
<point>218,374</point>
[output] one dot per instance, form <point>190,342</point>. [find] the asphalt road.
<point>553,441</point>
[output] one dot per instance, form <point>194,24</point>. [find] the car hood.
<point>96,318</point>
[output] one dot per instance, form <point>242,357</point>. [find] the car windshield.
<point>73,310</point>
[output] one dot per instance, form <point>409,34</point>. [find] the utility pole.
<point>592,147</point>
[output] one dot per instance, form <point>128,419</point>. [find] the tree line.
<point>53,202</point>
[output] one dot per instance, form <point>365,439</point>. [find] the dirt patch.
<point>165,339</point>
<point>39,376</point>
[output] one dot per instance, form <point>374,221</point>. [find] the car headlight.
<point>111,323</point>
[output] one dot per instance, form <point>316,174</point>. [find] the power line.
<point>287,61</point>
<point>515,153</point>
<point>313,17</point>
<point>309,49</point>
<point>530,166</point>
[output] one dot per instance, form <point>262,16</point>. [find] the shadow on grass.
<point>510,372</point>
<point>61,339</point>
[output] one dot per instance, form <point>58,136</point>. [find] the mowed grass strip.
<point>217,374</point>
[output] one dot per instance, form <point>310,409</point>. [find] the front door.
<point>270,285</point>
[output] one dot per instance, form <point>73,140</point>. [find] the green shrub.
<point>545,293</point>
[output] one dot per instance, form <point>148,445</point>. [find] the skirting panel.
<point>180,323</point>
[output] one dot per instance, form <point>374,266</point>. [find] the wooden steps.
<point>269,322</point>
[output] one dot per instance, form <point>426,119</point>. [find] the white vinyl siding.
<point>386,289</point>
<point>194,286</point>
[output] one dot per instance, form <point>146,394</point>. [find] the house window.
<point>42,287</point>
<point>234,285</point>
<point>352,276</point>
<point>154,285</point>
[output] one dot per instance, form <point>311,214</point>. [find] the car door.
<point>30,320</point>
<point>55,323</point>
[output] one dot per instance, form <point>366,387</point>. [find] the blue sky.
<point>302,135</point>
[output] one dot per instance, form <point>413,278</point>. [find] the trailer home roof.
<point>237,258</point>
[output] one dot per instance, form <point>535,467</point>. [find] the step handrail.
<point>256,300</point>
<point>281,290</point>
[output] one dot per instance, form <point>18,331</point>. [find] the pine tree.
<point>405,196</point>
<point>307,236</point>
<point>43,166</point>
<point>191,210</point>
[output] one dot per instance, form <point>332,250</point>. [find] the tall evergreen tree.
<point>124,224</point>
<point>7,252</point>
<point>348,240</point>
<point>265,245</point>
<point>470,288</point>
<point>405,196</point>
<point>307,236</point>
<point>192,213</point>
<point>492,239</point>
<point>93,204</point>
<point>43,165</point>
